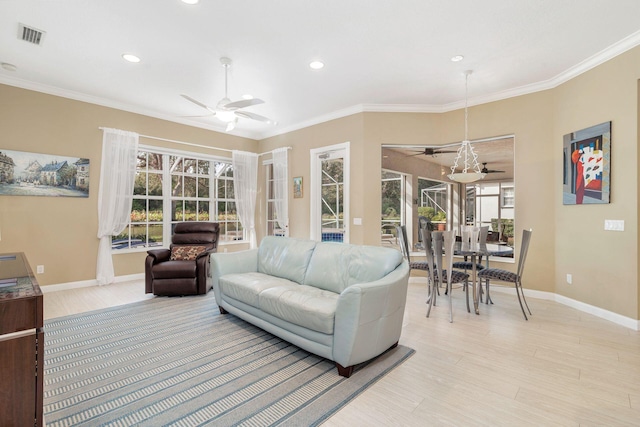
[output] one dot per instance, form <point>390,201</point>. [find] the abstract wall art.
<point>586,167</point>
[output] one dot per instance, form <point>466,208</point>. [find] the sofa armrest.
<point>231,263</point>
<point>369,317</point>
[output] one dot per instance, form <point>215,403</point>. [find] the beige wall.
<point>322,135</point>
<point>566,239</point>
<point>60,232</point>
<point>603,263</point>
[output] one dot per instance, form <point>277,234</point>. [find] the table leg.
<point>476,292</point>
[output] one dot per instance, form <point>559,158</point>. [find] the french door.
<point>329,192</point>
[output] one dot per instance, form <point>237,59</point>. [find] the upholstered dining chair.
<point>439,248</point>
<point>509,276</point>
<point>401,233</point>
<point>183,269</point>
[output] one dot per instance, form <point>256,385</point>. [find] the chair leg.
<point>489,300</point>
<point>432,297</point>
<point>466,291</point>
<point>520,301</point>
<point>450,289</point>
<point>523,298</point>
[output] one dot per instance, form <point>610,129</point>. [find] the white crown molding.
<point>603,56</point>
<point>314,121</point>
<point>77,96</point>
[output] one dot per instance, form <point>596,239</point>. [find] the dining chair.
<point>509,276</point>
<point>482,233</point>
<point>439,248</point>
<point>401,233</point>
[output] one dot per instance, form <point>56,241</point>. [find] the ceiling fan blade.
<point>201,115</point>
<point>198,103</point>
<point>254,116</point>
<point>243,103</point>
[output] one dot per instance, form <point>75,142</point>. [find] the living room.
<point>59,233</point>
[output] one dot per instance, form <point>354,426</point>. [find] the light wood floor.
<point>562,367</point>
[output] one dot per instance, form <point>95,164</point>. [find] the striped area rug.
<point>178,361</point>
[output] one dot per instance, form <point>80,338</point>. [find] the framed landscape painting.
<point>586,169</point>
<point>33,174</point>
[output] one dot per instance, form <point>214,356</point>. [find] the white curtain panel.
<point>117,176</point>
<point>280,187</point>
<point>245,185</point>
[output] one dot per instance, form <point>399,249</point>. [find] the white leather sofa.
<point>339,301</point>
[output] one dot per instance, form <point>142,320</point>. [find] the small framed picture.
<point>297,187</point>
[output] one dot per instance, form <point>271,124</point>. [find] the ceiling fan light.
<point>231,126</point>
<point>466,177</point>
<point>225,116</point>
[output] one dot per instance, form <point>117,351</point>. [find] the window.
<point>273,229</point>
<point>508,197</point>
<point>491,204</point>
<point>172,187</point>
<point>393,192</point>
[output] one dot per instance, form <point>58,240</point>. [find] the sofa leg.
<point>344,372</point>
<point>222,310</point>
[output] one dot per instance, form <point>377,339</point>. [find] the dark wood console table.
<point>21,343</point>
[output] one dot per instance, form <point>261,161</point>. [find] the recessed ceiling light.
<point>316,65</point>
<point>247,96</point>
<point>457,58</point>
<point>190,1</point>
<point>130,57</point>
<point>8,67</point>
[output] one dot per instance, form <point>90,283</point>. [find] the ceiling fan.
<point>228,111</point>
<point>428,151</point>
<point>485,170</point>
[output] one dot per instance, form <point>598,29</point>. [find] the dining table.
<point>475,250</point>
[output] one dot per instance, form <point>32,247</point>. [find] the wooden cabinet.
<point>21,343</point>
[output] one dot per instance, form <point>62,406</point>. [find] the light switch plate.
<point>357,221</point>
<point>614,224</point>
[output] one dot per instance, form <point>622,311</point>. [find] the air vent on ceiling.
<point>30,34</point>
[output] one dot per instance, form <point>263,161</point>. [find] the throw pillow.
<point>186,253</point>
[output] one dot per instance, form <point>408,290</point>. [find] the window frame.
<point>167,198</point>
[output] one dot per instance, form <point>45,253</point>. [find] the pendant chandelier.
<point>466,157</point>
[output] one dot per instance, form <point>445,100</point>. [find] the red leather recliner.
<point>183,269</point>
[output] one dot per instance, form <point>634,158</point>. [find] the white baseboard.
<point>619,319</point>
<point>88,283</point>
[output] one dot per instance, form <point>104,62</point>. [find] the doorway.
<point>329,193</point>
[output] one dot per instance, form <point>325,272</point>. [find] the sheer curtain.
<point>245,185</point>
<point>117,175</point>
<point>280,187</point>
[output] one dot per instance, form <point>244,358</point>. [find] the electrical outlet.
<point>40,269</point>
<point>569,279</point>
<point>224,250</point>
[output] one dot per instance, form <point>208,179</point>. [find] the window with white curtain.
<point>272,222</point>
<point>174,186</point>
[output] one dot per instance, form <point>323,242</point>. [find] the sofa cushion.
<point>335,266</point>
<point>302,305</point>
<point>285,257</point>
<point>246,287</point>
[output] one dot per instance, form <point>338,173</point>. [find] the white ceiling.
<point>380,55</point>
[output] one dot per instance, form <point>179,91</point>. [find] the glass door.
<point>330,194</point>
